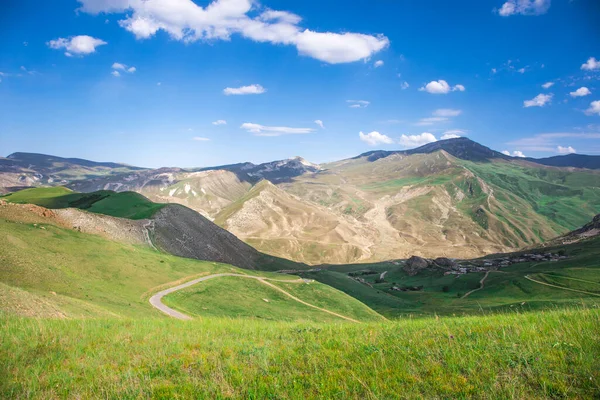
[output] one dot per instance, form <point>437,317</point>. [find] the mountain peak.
<point>462,147</point>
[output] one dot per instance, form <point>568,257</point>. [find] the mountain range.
<point>453,198</point>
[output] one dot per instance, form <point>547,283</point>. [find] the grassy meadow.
<point>123,204</point>
<point>548,354</point>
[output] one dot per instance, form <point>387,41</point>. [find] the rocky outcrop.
<point>413,265</point>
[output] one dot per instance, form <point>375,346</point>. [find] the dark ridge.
<point>462,148</point>
<point>569,160</point>
<point>47,161</point>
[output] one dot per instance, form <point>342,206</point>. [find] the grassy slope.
<point>60,272</point>
<point>506,289</point>
<point>125,204</point>
<point>246,298</point>
<point>534,355</point>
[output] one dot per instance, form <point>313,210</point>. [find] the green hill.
<point>520,286</point>
<point>49,271</point>
<point>124,204</point>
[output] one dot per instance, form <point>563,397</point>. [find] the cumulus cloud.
<point>538,101</point>
<point>441,87</point>
<point>250,89</point>
<point>594,108</point>
<point>378,63</point>
<point>416,140</point>
<point>200,139</point>
<point>404,85</point>
<point>548,85</point>
<point>76,45</point>
<point>518,153</point>
<point>374,138</point>
<point>582,91</point>
<point>506,152</point>
<point>320,123</point>
<point>524,7</point>
<point>116,74</point>
<point>591,64</point>
<point>358,103</point>
<point>123,67</point>
<point>186,21</point>
<point>447,112</point>
<point>220,122</point>
<point>565,150</point>
<point>262,130</point>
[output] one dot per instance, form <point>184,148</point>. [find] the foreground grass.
<point>537,355</point>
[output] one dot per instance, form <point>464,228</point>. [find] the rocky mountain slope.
<point>453,198</point>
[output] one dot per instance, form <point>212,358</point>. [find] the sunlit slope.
<point>513,355</point>
<point>48,270</point>
<point>437,205</point>
<point>125,204</point>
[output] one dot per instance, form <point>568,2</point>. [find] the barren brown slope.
<point>280,224</point>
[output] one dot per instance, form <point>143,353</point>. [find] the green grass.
<point>535,355</point>
<point>57,272</point>
<point>505,289</point>
<point>243,297</point>
<point>124,204</point>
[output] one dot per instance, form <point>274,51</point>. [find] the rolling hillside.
<point>453,198</point>
<point>52,271</point>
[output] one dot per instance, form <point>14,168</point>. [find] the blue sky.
<point>145,81</point>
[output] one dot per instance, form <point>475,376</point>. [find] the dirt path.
<point>481,285</point>
<point>560,287</point>
<point>382,276</point>
<point>147,226</point>
<point>156,302</point>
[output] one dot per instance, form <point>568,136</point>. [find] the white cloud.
<point>123,67</point>
<point>186,21</point>
<point>440,87</point>
<point>116,73</point>
<point>250,89</point>
<point>538,101</point>
<point>447,112</point>
<point>591,64</point>
<point>548,85</point>
<point>200,139</point>
<point>565,150</point>
<point>582,91</point>
<point>76,45</point>
<point>524,7</point>
<point>449,136</point>
<point>594,108</point>
<point>220,122</point>
<point>374,138</point>
<point>430,121</point>
<point>404,85</point>
<point>378,63</point>
<point>518,153</point>
<point>417,140</point>
<point>320,123</point>
<point>262,130</point>
<point>358,103</point>
<point>506,152</point>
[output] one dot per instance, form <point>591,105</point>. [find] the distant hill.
<point>569,160</point>
<point>462,148</point>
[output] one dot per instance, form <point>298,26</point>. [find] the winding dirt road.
<point>156,302</point>
<point>481,285</point>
